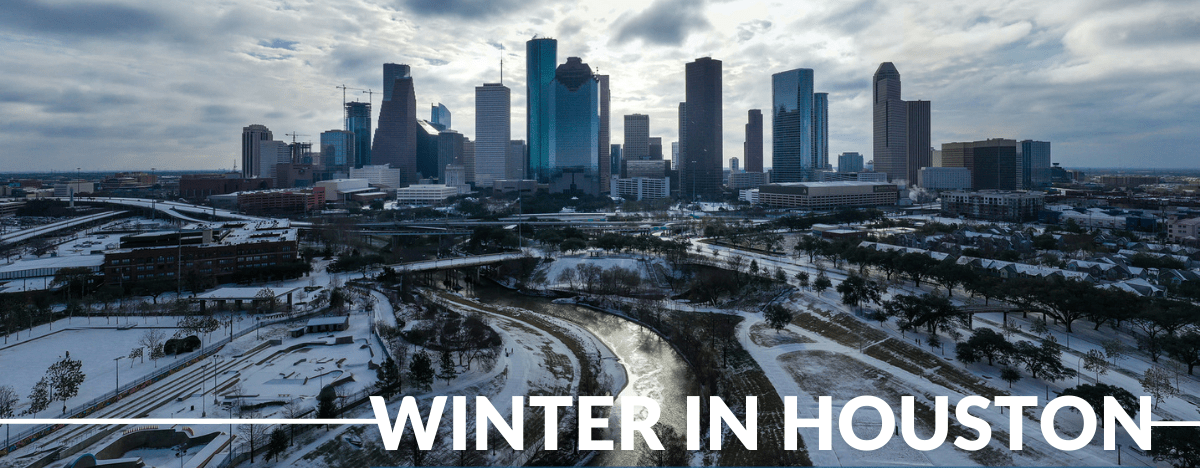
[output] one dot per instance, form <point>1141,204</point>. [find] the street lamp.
<point>117,364</point>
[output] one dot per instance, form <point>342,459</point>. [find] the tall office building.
<point>514,168</point>
<point>337,149</point>
<point>391,73</point>
<point>702,151</point>
<point>396,135</point>
<point>252,137</point>
<point>656,150</point>
<point>439,116</point>
<point>1035,159</point>
<point>682,150</point>
<point>358,121</point>
<point>918,153</point>
<point>637,138</point>
<point>575,128</point>
<point>675,154</point>
<point>901,128</point>
<point>820,137</point>
<point>468,160</point>
<point>733,165</point>
<point>792,155</point>
<point>541,57</point>
<point>427,150</point>
<point>450,153</point>
<point>615,157</point>
<point>493,132</point>
<point>605,133</point>
<point>850,162</point>
<point>271,153</point>
<point>993,162</point>
<point>753,147</point>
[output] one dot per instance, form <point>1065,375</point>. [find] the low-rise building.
<point>640,188</point>
<point>944,178</point>
<point>1181,229</point>
<point>382,176</point>
<point>281,202</point>
<point>425,194</point>
<point>831,176</point>
<point>826,195</point>
<point>202,186</point>
<point>746,180</point>
<point>1016,207</point>
<point>74,187</point>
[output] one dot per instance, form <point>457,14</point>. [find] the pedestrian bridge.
<point>453,263</point>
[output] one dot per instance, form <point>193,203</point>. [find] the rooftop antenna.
<point>501,64</point>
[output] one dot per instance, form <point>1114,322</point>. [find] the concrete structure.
<point>271,153</point>
<point>746,180</point>
<point>200,186</point>
<point>1015,207</point>
<point>456,176</point>
<point>637,138</point>
<point>901,128</point>
<point>74,187</point>
<point>327,324</point>
<point>382,176</point>
<point>281,202</point>
<point>1110,181</point>
<point>733,165</point>
<point>850,162</point>
<point>425,194</point>
<point>493,132</point>
<point>944,178</point>
<point>646,168</point>
<point>827,195</point>
<point>525,186</point>
<point>701,134</point>
<point>294,175</point>
<point>640,188</point>
<point>251,138</point>
<point>656,149</point>
<point>342,189</point>
<point>396,135</point>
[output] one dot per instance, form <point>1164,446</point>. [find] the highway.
<point>26,234</point>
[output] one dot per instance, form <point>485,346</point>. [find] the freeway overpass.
<point>26,234</point>
<point>452,263</point>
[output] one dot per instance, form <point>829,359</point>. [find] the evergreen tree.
<point>420,370</point>
<point>446,370</point>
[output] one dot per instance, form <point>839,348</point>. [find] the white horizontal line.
<point>1174,423</point>
<point>186,421</point>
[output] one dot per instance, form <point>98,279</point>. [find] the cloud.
<point>746,31</point>
<point>79,19</point>
<point>464,9</point>
<point>279,44</point>
<point>665,23</point>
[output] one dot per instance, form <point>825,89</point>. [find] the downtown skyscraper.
<point>793,147</point>
<point>396,135</point>
<point>901,128</point>
<point>753,147</point>
<point>575,128</point>
<point>358,121</point>
<point>701,131</point>
<point>637,137</point>
<point>493,132</point>
<point>541,56</point>
<point>252,138</point>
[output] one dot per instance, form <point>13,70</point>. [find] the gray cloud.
<point>79,19</point>
<point>464,9</point>
<point>665,22</point>
<point>746,31</point>
<point>279,44</point>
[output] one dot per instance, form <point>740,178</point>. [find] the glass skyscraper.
<point>820,130</point>
<point>575,123</point>
<point>358,121</point>
<point>440,117</point>
<point>493,132</point>
<point>792,127</point>
<point>541,56</point>
<point>1035,159</point>
<point>391,73</point>
<point>753,147</point>
<point>702,135</point>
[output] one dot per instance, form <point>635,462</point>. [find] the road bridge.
<point>457,262</point>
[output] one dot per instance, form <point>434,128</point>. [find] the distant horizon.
<point>765,169</point>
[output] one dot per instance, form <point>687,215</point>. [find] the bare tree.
<point>292,410</point>
<point>153,340</point>
<point>8,405</point>
<point>254,433</point>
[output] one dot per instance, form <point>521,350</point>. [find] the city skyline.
<point>112,86</point>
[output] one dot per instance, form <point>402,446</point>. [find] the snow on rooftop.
<point>240,293</point>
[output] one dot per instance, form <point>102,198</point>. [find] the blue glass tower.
<point>820,137</point>
<point>792,125</point>
<point>541,56</point>
<point>337,148</point>
<point>391,73</point>
<point>358,120</point>
<point>575,126</point>
<point>440,117</point>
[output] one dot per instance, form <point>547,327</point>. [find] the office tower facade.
<point>358,121</point>
<point>391,73</point>
<point>541,57</point>
<point>753,147</point>
<point>337,149</point>
<point>493,132</point>
<point>792,158</point>
<point>993,162</point>
<point>427,150</point>
<point>271,153</point>
<point>450,152</point>
<point>575,126</point>
<point>702,159</point>
<point>301,152</point>
<point>468,159</point>
<point>252,138</point>
<point>918,153</point>
<point>682,149</point>
<point>439,116</point>
<point>615,157</point>
<point>820,136</point>
<point>900,128</point>
<point>675,154</point>
<point>637,138</point>
<point>733,165</point>
<point>1035,158</point>
<point>605,132</point>
<point>656,150</point>
<point>514,167</point>
<point>850,162</point>
<point>396,135</point>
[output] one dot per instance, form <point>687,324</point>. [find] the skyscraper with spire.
<point>493,132</point>
<point>901,128</point>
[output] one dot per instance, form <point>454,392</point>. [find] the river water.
<point>652,366</point>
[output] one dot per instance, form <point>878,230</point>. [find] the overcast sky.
<point>170,84</point>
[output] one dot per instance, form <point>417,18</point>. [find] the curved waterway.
<point>652,366</point>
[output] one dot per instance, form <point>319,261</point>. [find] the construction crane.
<point>370,96</point>
<point>343,87</point>
<point>294,135</point>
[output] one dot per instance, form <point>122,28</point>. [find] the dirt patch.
<point>763,335</point>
